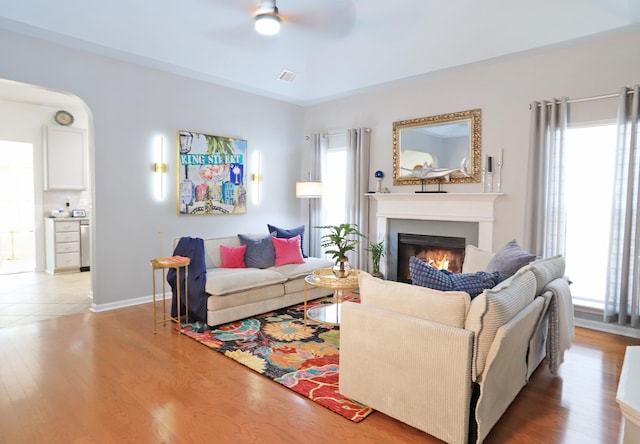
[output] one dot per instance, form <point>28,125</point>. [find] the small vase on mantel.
<point>342,268</point>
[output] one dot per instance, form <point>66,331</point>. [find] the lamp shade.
<point>308,189</point>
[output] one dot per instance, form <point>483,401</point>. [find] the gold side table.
<point>163,263</point>
<point>324,278</point>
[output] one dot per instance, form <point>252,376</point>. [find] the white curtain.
<point>546,211</point>
<point>318,150</point>
<point>621,299</point>
<point>358,145</point>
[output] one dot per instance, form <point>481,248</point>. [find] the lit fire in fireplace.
<point>441,252</point>
<point>436,258</point>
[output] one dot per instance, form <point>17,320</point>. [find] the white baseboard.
<point>608,328</point>
<point>97,308</point>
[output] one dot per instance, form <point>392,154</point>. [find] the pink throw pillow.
<point>287,250</point>
<point>232,257</point>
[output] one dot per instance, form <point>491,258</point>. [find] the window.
<point>334,182</point>
<point>590,156</point>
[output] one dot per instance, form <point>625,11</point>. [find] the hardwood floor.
<point>106,378</point>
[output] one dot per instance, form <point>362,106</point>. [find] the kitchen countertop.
<point>68,218</point>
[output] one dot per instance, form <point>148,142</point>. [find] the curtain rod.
<point>342,133</point>
<point>588,99</point>
<point>324,136</point>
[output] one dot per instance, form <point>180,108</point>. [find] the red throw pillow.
<point>232,257</point>
<point>288,251</point>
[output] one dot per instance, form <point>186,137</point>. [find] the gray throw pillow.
<point>260,252</point>
<point>508,260</point>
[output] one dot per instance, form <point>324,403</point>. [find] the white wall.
<point>503,89</point>
<point>129,107</point>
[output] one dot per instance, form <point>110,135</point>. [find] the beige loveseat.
<point>236,293</point>
<point>440,362</point>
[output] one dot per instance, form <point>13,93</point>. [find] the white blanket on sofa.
<point>561,323</point>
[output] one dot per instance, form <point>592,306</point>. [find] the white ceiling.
<point>335,47</point>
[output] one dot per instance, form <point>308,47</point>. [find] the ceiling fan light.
<point>268,23</point>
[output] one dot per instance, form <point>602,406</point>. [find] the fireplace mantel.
<point>462,207</point>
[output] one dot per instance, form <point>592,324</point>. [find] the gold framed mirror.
<point>436,149</point>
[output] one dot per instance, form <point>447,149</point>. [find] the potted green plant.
<point>377,252</point>
<point>339,240</point>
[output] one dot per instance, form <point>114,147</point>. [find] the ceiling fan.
<point>330,16</point>
<point>302,19</point>
<point>267,19</point>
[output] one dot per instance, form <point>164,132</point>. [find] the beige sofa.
<point>236,293</point>
<point>437,360</point>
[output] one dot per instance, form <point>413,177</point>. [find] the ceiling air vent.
<point>287,76</point>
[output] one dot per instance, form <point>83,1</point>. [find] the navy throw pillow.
<point>425,275</point>
<point>283,233</point>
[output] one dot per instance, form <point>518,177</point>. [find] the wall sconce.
<point>256,178</point>
<point>160,168</point>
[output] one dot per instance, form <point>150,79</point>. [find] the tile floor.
<point>36,296</point>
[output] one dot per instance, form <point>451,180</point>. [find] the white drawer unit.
<point>67,262</point>
<point>67,236</point>
<point>62,245</point>
<point>67,226</point>
<point>67,247</point>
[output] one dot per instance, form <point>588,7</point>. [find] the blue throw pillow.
<point>509,259</point>
<point>283,233</point>
<point>260,252</point>
<point>425,275</point>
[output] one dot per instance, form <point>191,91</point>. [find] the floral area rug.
<point>279,346</point>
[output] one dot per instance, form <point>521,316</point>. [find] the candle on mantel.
<point>501,155</point>
<point>489,164</point>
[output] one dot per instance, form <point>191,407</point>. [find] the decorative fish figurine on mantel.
<point>426,171</point>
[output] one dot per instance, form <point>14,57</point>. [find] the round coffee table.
<point>324,278</point>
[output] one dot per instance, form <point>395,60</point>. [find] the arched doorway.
<point>27,111</point>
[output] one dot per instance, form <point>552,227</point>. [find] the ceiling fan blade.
<point>333,18</point>
<point>238,30</point>
<point>242,36</point>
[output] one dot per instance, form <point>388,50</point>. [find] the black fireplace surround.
<point>440,251</point>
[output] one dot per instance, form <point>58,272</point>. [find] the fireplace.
<point>476,209</point>
<point>443,252</point>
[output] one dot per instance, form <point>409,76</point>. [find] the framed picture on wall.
<point>211,174</point>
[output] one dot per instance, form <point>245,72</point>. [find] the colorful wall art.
<point>211,174</point>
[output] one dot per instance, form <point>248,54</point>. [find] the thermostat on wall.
<point>78,213</point>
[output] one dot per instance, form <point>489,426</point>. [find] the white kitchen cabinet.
<point>65,158</point>
<point>62,238</point>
